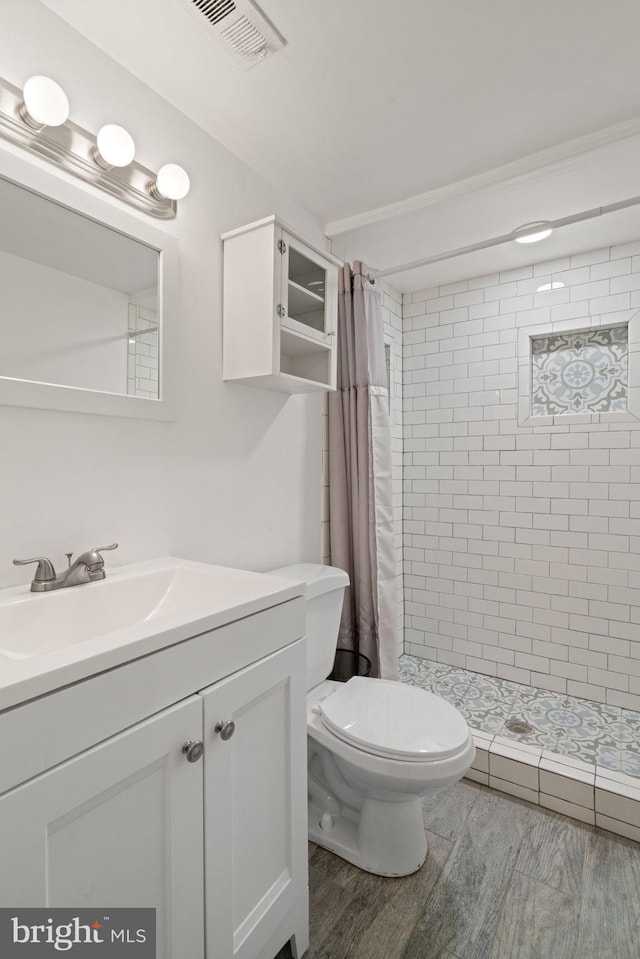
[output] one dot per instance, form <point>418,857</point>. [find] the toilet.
<point>375,747</point>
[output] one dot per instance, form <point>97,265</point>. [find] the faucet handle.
<point>103,549</point>
<point>45,571</point>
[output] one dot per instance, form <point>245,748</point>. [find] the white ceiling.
<point>416,127</point>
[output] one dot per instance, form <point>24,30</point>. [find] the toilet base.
<point>385,838</point>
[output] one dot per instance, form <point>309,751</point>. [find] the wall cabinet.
<point>280,310</point>
<point>217,843</point>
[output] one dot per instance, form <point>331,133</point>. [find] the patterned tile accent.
<point>580,372</point>
<point>579,729</point>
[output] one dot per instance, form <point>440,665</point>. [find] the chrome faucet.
<point>88,568</point>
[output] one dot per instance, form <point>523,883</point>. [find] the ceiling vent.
<point>238,26</point>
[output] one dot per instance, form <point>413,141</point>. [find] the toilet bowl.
<point>375,747</point>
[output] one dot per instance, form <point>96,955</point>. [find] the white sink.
<point>135,610</point>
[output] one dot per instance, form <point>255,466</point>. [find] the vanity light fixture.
<point>114,147</point>
<point>532,232</point>
<point>172,182</point>
<point>36,119</point>
<point>44,103</point>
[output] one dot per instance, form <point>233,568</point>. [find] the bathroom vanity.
<point>160,762</point>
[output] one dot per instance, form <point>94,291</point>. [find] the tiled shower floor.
<point>602,736</point>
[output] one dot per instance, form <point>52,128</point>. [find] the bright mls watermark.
<point>78,932</point>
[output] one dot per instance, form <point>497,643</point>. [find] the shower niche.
<point>280,310</point>
<point>586,373</point>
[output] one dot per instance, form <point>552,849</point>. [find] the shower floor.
<point>597,734</point>
<point>580,757</point>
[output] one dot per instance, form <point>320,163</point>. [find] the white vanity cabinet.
<point>255,808</point>
<point>279,310</point>
<point>101,806</point>
<point>119,825</point>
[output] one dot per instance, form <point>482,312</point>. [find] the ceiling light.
<point>554,285</point>
<point>172,182</point>
<point>45,103</point>
<point>532,232</point>
<point>115,147</point>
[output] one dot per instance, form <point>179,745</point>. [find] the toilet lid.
<point>394,720</point>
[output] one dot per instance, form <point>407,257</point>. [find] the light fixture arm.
<point>71,148</point>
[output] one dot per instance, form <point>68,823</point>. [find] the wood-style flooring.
<point>503,880</point>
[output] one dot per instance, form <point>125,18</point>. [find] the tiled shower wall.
<point>521,543</point>
<point>392,318</point>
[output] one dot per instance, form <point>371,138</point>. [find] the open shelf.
<point>305,358</point>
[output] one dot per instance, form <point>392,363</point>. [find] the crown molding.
<point>526,168</point>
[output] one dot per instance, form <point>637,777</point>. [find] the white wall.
<point>58,328</point>
<point>236,480</point>
<point>522,543</point>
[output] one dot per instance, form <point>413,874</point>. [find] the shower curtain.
<point>360,502</point>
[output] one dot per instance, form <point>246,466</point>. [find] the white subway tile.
<point>513,764</point>
<point>478,777</point>
<point>603,270</point>
<point>617,827</point>
<point>571,783</point>
<point>568,808</point>
<point>623,804</point>
<point>520,792</point>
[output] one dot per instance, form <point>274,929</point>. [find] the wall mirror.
<point>86,301</point>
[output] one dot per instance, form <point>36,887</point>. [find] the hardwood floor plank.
<point>388,930</point>
<point>446,812</point>
<point>536,922</point>
<point>553,852</point>
<point>462,914</point>
<point>371,903</point>
<point>503,880</point>
<point>609,920</point>
<point>329,904</point>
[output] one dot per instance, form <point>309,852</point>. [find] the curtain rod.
<point>504,238</point>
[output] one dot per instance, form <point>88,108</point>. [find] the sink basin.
<point>142,607</point>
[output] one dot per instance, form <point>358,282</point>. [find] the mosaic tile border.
<point>582,759</point>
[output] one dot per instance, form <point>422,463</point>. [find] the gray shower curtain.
<point>360,503</point>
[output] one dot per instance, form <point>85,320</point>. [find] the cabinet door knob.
<point>193,750</point>
<point>226,729</point>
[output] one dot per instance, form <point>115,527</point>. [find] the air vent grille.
<point>245,38</point>
<point>215,10</point>
<point>238,26</point>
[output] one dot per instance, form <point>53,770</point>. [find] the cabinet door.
<point>255,803</point>
<point>118,825</point>
<point>309,290</point>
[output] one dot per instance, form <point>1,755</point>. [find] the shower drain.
<point>519,726</point>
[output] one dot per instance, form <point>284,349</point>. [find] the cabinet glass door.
<point>308,288</point>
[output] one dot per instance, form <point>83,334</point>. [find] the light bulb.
<point>532,232</point>
<point>172,182</point>
<point>554,285</point>
<point>115,146</point>
<point>45,103</point>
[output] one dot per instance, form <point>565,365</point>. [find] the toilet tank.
<point>324,597</point>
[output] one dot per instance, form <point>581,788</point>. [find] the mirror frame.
<point>80,199</point>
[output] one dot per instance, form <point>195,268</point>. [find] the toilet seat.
<point>394,720</point>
